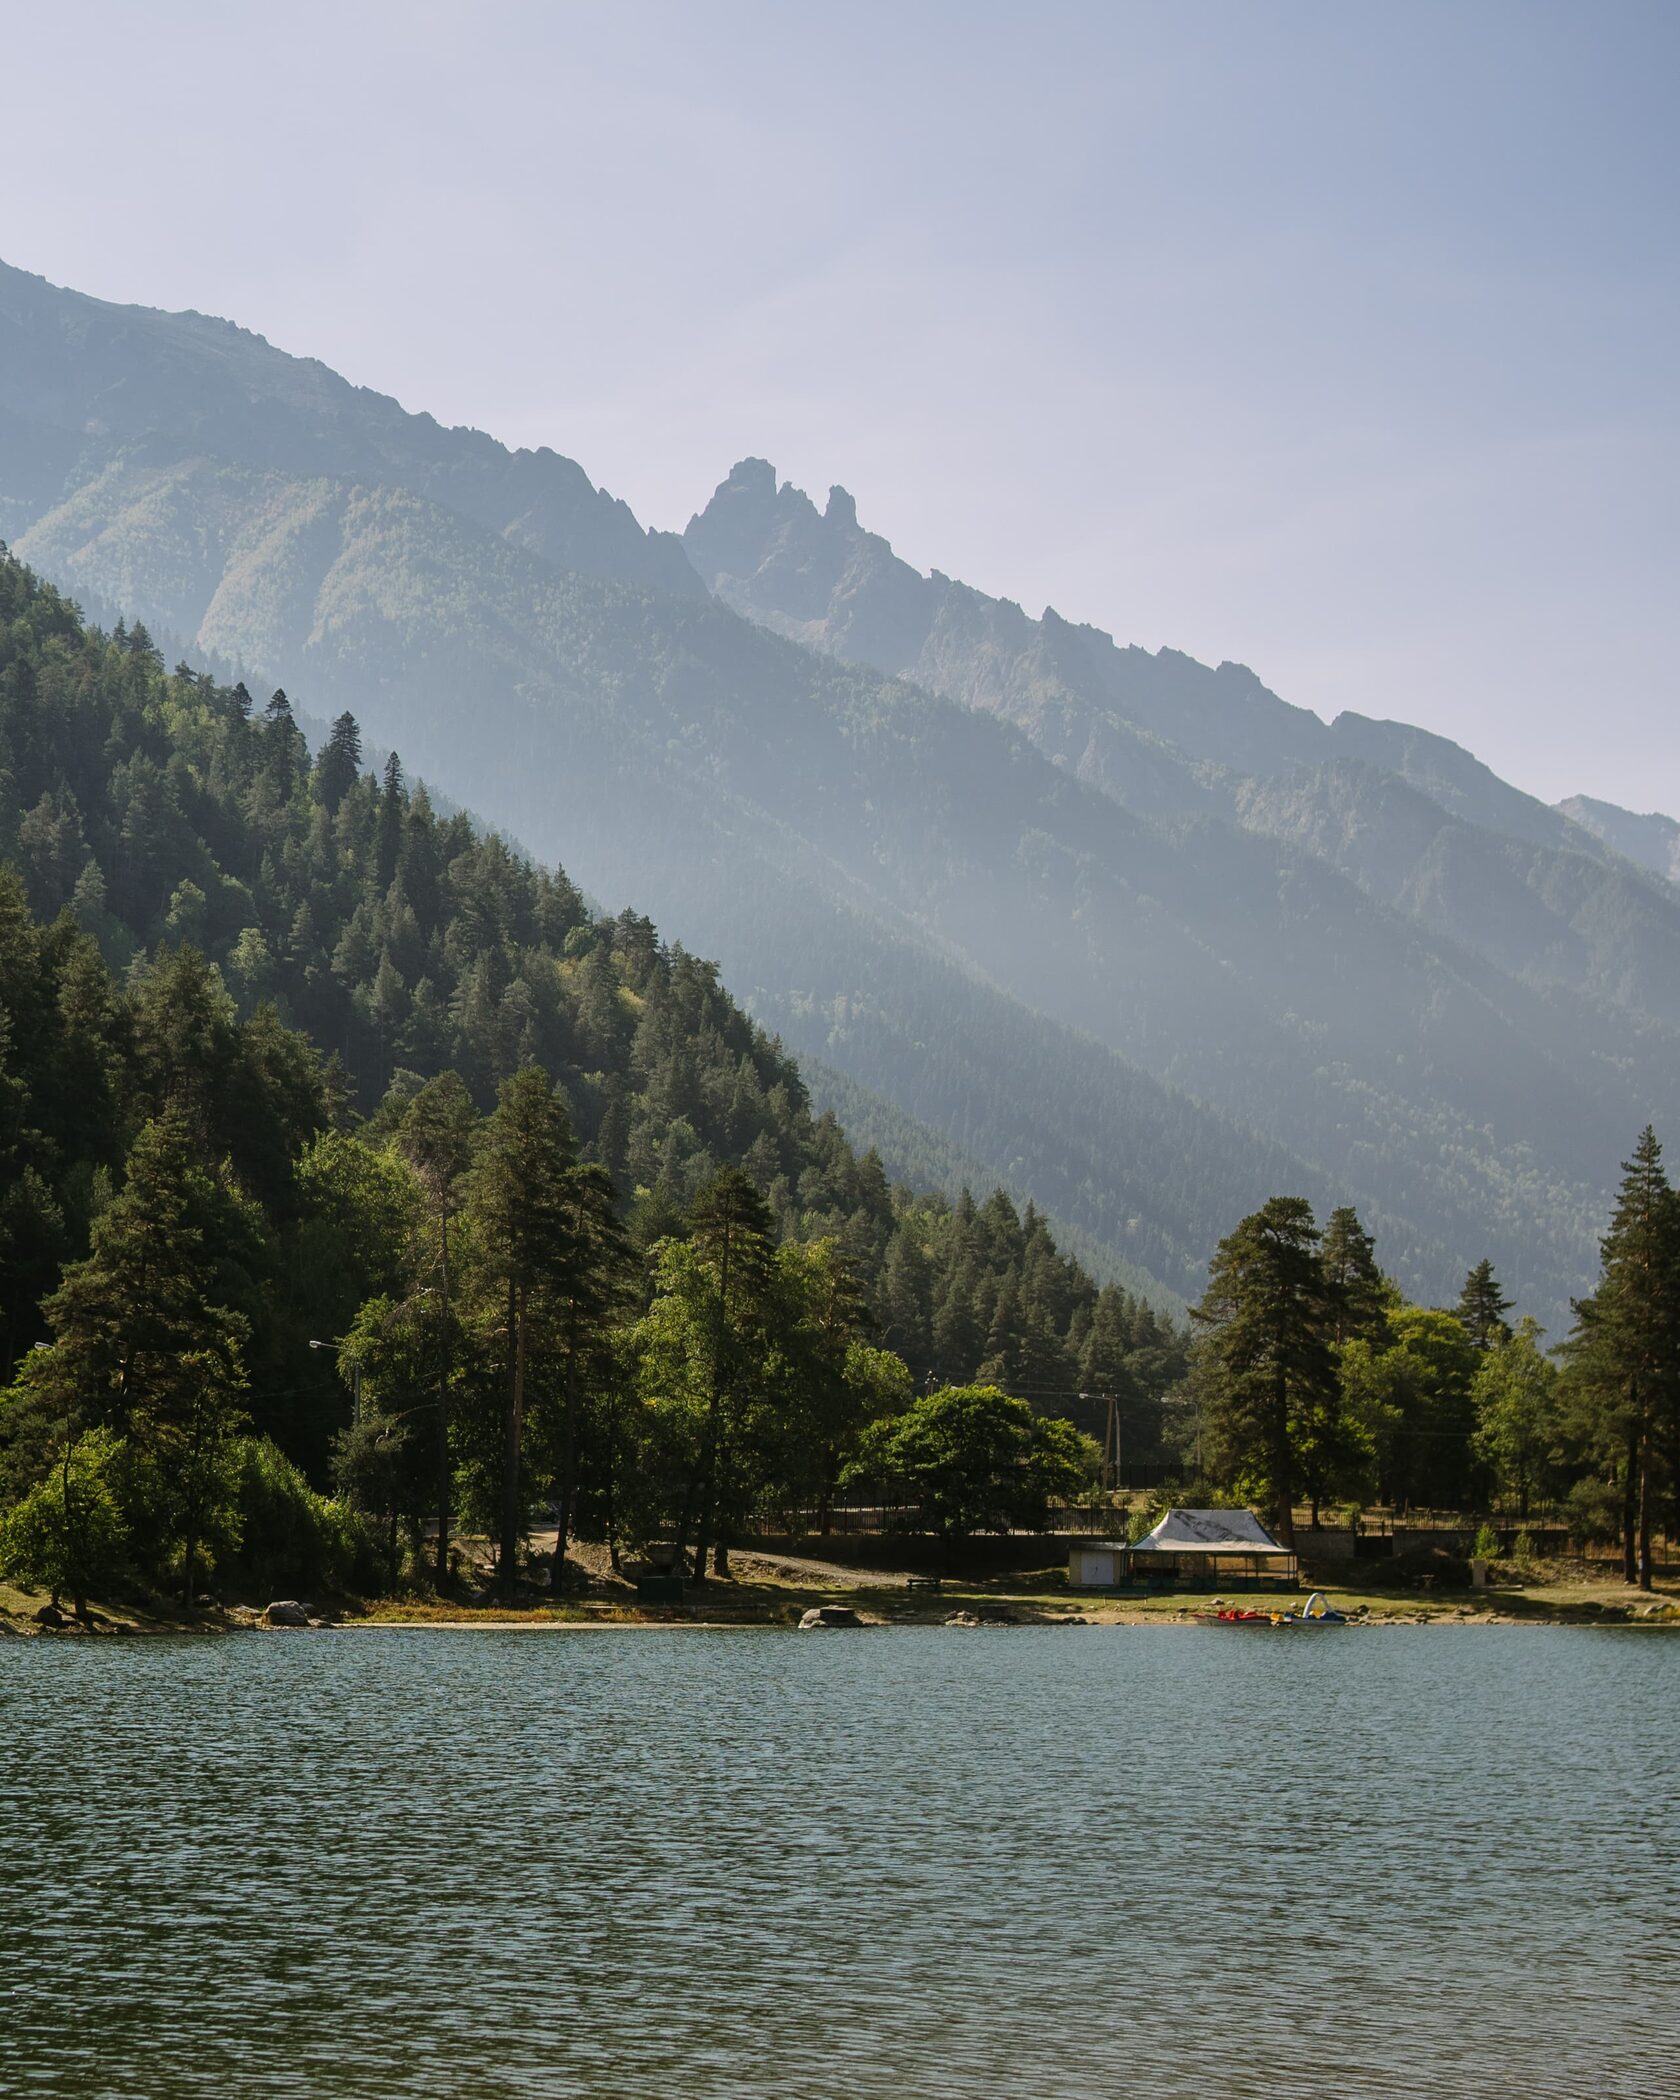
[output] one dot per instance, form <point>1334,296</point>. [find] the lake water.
<point>718,1866</point>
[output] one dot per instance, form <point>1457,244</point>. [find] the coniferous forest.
<point>366,1190</point>
<point>353,1164</point>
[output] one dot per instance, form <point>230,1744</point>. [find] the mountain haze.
<point>1134,935</point>
<point>1652,840</point>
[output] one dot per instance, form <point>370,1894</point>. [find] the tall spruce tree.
<point>735,1241</point>
<point>1355,1295</point>
<point>520,1194</point>
<point>340,763</point>
<point>592,1292</point>
<point>1482,1307</point>
<point>437,1140</point>
<point>1626,1345</point>
<point>143,1343</point>
<point>1264,1364</point>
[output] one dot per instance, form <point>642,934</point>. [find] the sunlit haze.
<point>1337,341</point>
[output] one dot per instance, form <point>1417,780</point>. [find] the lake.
<point>1047,1862</point>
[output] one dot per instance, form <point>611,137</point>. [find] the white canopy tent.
<point>1188,1549</point>
<point>1209,1531</point>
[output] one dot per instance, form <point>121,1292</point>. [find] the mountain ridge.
<point>1144,1010</point>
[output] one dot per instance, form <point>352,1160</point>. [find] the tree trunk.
<point>1630,1510</point>
<point>1283,1482</point>
<point>614,1560</point>
<point>568,1460</point>
<point>1645,1512</point>
<point>445,1483</point>
<point>511,1526</point>
<point>702,1536</point>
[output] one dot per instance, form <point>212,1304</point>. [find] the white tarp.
<point>1209,1531</point>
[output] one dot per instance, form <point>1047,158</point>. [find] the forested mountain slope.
<point>193,907</point>
<point>1152,1021</point>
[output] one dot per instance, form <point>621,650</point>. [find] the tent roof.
<point>1209,1531</point>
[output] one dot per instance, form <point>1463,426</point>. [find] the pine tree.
<point>520,1201</point>
<point>1626,1347</point>
<point>437,1140</point>
<point>280,747</point>
<point>1482,1307</point>
<point>340,763</point>
<point>734,1239</point>
<point>906,1318</point>
<point>592,1292</point>
<point>393,806</point>
<point>143,1341</point>
<point>1355,1294</point>
<point>1264,1362</point>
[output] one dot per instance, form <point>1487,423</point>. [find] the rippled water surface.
<point>1053,1863</point>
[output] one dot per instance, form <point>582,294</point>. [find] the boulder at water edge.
<point>821,1615</point>
<point>286,1613</point>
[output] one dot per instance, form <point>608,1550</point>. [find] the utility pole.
<point>1111,1439</point>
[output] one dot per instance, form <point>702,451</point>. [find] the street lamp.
<point>337,1349</point>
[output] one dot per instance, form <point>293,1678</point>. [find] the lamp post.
<point>337,1349</point>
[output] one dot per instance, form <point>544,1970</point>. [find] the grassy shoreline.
<point>767,1600</point>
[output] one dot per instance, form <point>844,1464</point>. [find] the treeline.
<point>193,1201</point>
<point>1312,1379</point>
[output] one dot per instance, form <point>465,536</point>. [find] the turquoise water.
<point>1053,1863</point>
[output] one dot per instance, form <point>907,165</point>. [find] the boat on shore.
<point>1317,1611</point>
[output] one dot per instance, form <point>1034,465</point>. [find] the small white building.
<point>1097,1564</point>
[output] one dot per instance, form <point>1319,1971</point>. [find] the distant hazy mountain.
<point>1652,841</point>
<point>1543,897</point>
<point>89,389</point>
<point>1133,935</point>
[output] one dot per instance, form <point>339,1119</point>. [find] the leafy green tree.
<point>970,1458</point>
<point>68,1533</point>
<point>1439,1430</point>
<point>830,1383</point>
<point>1517,1425</point>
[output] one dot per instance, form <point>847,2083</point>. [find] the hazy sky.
<point>1337,338</point>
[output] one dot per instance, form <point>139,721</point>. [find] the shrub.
<point>1593,1511</point>
<point>68,1532</point>
<point>1487,1544</point>
<point>294,1542</point>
